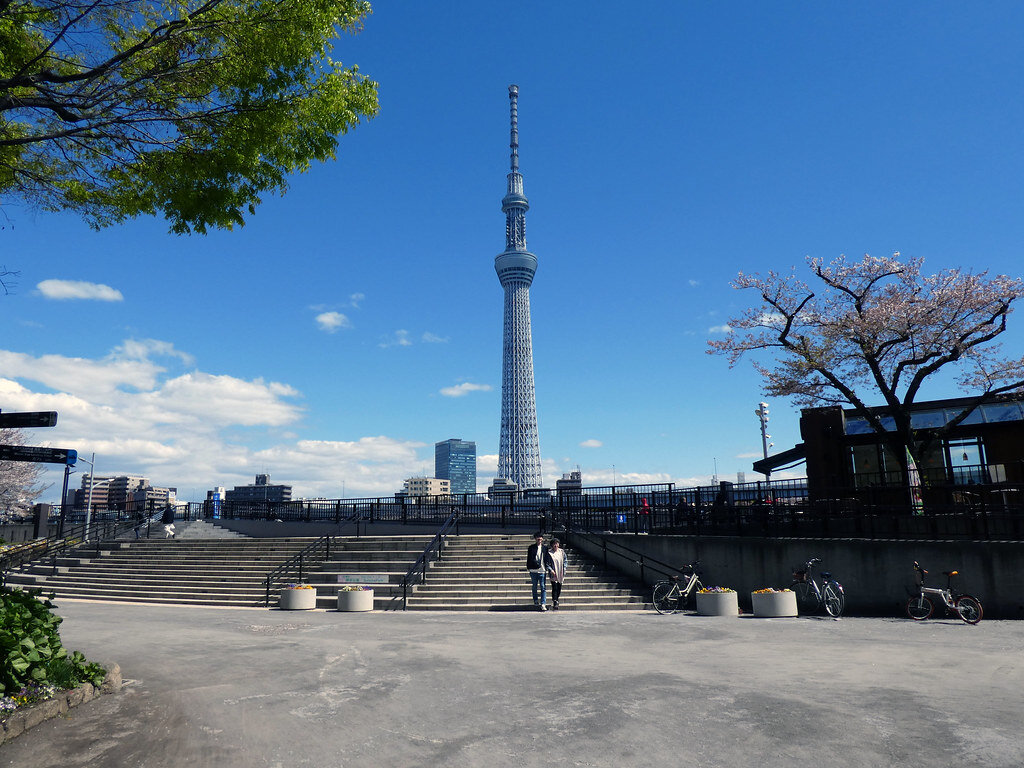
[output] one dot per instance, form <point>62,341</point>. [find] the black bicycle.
<point>810,595</point>
<point>670,595</point>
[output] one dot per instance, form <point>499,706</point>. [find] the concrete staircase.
<point>202,529</point>
<point>488,573</point>
<point>185,572</point>
<point>478,572</point>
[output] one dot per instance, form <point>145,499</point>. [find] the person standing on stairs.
<point>535,555</point>
<point>168,521</point>
<point>554,564</point>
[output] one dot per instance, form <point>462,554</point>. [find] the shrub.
<point>31,649</point>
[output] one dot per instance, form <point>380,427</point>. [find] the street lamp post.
<point>762,415</point>
<point>92,484</point>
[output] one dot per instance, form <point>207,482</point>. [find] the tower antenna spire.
<point>518,446</point>
<point>513,97</point>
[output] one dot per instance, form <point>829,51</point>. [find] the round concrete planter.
<point>718,604</point>
<point>297,599</point>
<point>772,604</point>
<point>356,601</point>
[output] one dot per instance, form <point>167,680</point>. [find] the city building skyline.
<point>455,460</point>
<point>519,443</point>
<point>261,490</point>
<point>425,486</point>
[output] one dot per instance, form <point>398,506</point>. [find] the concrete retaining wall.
<point>15,533</point>
<point>875,574</point>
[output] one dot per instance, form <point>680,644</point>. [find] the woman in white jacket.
<point>554,563</point>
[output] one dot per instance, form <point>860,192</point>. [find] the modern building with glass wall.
<point>843,451</point>
<point>455,460</point>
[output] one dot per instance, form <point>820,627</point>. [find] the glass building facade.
<point>455,461</point>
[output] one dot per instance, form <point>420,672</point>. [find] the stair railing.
<point>52,547</point>
<point>643,561</point>
<point>297,566</point>
<point>417,574</point>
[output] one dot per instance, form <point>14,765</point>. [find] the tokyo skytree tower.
<point>519,447</point>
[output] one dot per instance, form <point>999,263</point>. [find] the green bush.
<point>31,650</point>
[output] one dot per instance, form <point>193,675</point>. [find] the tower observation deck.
<point>519,445</point>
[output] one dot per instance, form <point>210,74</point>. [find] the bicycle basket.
<point>919,576</point>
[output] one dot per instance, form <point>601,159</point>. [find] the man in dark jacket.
<point>538,576</point>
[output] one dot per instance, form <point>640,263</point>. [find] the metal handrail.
<point>437,542</point>
<point>639,558</point>
<point>299,561</point>
<point>53,546</point>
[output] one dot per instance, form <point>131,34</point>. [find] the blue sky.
<point>355,321</point>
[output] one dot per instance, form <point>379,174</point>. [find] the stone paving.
<point>263,689</point>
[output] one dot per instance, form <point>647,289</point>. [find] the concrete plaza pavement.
<point>273,689</point>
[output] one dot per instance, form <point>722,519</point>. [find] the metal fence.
<point>885,508</point>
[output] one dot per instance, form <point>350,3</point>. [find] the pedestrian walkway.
<point>244,688</point>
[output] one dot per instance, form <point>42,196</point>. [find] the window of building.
<point>965,459</point>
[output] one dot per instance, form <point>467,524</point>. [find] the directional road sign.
<point>38,455</point>
<point>29,419</point>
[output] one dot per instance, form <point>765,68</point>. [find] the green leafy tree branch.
<point>190,110</point>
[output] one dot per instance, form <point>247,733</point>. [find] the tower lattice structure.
<point>519,445</point>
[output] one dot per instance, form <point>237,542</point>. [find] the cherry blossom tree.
<point>878,329</point>
<point>19,480</point>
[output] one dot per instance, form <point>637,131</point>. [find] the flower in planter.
<point>770,591</point>
<point>298,586</point>
<point>715,590</point>
<point>355,588</point>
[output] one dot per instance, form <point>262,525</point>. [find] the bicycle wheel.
<point>835,600</point>
<point>919,607</point>
<point>806,598</point>
<point>665,597</point>
<point>969,609</point>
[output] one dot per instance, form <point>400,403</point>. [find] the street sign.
<point>38,455</point>
<point>28,419</point>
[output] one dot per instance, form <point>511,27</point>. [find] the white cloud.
<point>431,338</point>
<point>332,321</point>
<point>694,283</point>
<point>720,329</point>
<point>486,467</point>
<point>591,443</point>
<point>772,319</point>
<point>142,349</point>
<point>400,339</point>
<point>191,430</point>
<point>78,289</point>
<point>356,299</point>
<point>754,455</point>
<point>460,390</point>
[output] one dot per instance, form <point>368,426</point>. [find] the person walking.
<point>535,565</point>
<point>554,563</point>
<point>644,518</point>
<point>140,520</point>
<point>168,520</point>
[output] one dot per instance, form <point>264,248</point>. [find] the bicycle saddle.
<point>950,573</point>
